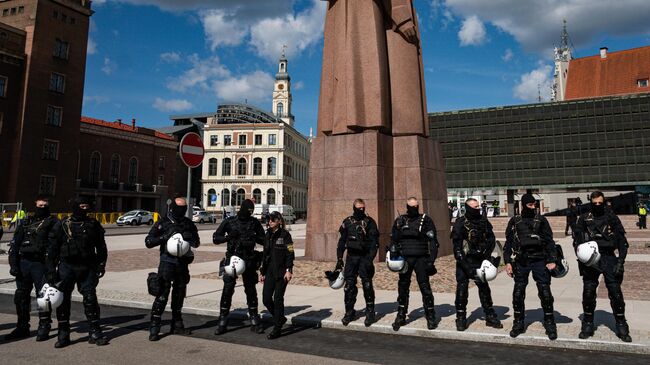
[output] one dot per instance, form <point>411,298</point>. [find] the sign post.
<point>191,151</point>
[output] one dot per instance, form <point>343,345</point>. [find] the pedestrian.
<point>17,219</point>
<point>571,218</point>
<point>643,215</point>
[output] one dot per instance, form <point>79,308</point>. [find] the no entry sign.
<point>191,149</point>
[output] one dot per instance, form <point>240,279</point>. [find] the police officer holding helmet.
<point>174,233</point>
<point>415,236</point>
<point>359,236</point>
<point>604,227</point>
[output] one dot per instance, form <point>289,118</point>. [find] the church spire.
<point>282,90</point>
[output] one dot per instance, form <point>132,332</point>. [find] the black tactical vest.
<point>247,235</point>
<point>600,230</point>
<point>357,234</point>
<point>413,241</point>
<point>474,236</point>
<point>80,238</point>
<point>35,236</point>
<point>527,233</point>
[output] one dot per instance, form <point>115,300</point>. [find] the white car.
<point>135,217</point>
<point>204,217</point>
<point>286,211</point>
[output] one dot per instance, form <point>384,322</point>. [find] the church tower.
<point>282,91</point>
<point>563,57</point>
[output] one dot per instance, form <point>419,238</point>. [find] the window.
<point>47,185</point>
<point>5,12</point>
<point>212,167</point>
<point>257,166</point>
<point>227,140</point>
<point>270,196</point>
<point>73,21</point>
<point>241,167</point>
<point>133,171</point>
<point>226,167</point>
<point>3,86</point>
<point>242,139</point>
<point>54,116</point>
<point>21,9</point>
<point>162,162</point>
<point>272,139</point>
<point>214,140</point>
<point>64,17</point>
<point>61,49</point>
<point>212,198</point>
<point>258,139</point>
<point>642,82</point>
<point>55,14</point>
<point>13,11</point>
<point>57,82</point>
<point>115,169</point>
<point>95,164</point>
<point>161,179</point>
<point>257,195</point>
<point>280,110</point>
<point>241,195</point>
<point>225,197</point>
<point>50,150</point>
<point>271,166</point>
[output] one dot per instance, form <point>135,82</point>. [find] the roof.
<point>617,74</point>
<point>126,128</point>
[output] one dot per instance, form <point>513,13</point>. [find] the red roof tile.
<point>124,127</point>
<point>616,74</point>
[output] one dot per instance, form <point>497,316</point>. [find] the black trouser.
<point>173,277</point>
<point>420,265</point>
<point>571,225</point>
<point>363,267</point>
<point>32,275</point>
<point>250,278</point>
<point>273,295</point>
<point>541,275</point>
<point>86,280</point>
<point>642,222</point>
<point>462,291</point>
<point>590,277</point>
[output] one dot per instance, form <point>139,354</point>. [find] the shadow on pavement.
<point>478,314</point>
<point>320,315</point>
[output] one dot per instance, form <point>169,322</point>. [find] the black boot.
<point>154,328</point>
<point>256,321</point>
<point>623,330</point>
<point>430,314</point>
<point>370,315</point>
<point>275,333</point>
<point>222,326</point>
<point>491,319</point>
<point>177,326</point>
<point>461,321</point>
<point>96,336</point>
<point>44,327</point>
<point>349,316</point>
<point>550,327</point>
<point>518,326</point>
<point>587,330</point>
<point>400,319</point>
<point>63,339</point>
<point>21,331</point>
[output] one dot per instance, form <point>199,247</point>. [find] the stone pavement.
<point>129,263</point>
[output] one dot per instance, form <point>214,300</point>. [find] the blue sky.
<point>149,59</point>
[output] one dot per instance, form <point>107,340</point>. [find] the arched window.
<point>212,198</point>
<point>241,195</point>
<point>95,165</point>
<point>225,197</point>
<point>241,166</point>
<point>225,168</point>
<point>257,166</point>
<point>212,167</point>
<point>115,169</point>
<point>280,109</point>
<point>133,171</point>
<point>272,166</point>
<point>270,196</point>
<point>257,195</point>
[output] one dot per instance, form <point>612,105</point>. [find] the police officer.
<point>473,241</point>
<point>77,255</point>
<point>27,261</point>
<point>643,215</point>
<point>571,218</point>
<point>277,270</point>
<point>173,271</point>
<point>530,248</point>
<point>242,233</point>
<point>415,236</point>
<point>359,236</point>
<point>603,226</point>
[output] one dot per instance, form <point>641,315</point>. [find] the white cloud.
<point>534,83</point>
<point>170,57</point>
<point>507,55</point>
<point>299,85</point>
<point>92,46</point>
<point>255,87</point>
<point>223,29</point>
<point>173,105</point>
<point>95,99</point>
<point>109,66</point>
<point>472,32</point>
<point>200,75</point>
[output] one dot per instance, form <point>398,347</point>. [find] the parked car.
<point>261,212</point>
<point>204,217</point>
<point>135,217</point>
<point>286,211</point>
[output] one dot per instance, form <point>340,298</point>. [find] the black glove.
<point>619,269</point>
<point>339,264</point>
<point>14,271</point>
<point>101,270</point>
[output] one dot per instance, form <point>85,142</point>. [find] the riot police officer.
<point>77,255</point>
<point>277,270</point>
<point>27,261</point>
<point>604,227</point>
<point>359,236</point>
<point>415,236</point>
<point>473,241</point>
<point>241,233</point>
<point>530,248</point>
<point>173,271</point>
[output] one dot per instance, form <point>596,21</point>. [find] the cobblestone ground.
<point>638,248</point>
<point>139,259</point>
<point>636,285</point>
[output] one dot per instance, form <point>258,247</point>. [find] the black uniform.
<point>242,233</point>
<point>606,229</point>
<point>571,218</point>
<point>473,241</point>
<point>77,255</point>
<point>529,247</point>
<point>173,272</point>
<point>359,236</point>
<point>415,236</point>
<point>277,260</point>
<point>27,254</point>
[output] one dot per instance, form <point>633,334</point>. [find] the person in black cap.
<point>530,248</point>
<point>241,233</point>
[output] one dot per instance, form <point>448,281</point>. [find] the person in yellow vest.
<point>643,213</point>
<point>18,218</point>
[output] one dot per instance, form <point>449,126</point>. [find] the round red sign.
<point>191,150</point>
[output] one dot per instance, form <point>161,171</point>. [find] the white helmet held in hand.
<point>236,267</point>
<point>588,253</point>
<point>177,246</point>
<point>338,282</point>
<point>487,271</point>
<point>49,298</point>
<point>395,264</point>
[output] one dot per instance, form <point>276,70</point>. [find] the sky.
<point>149,59</point>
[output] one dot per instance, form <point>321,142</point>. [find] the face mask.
<point>178,211</point>
<point>598,210</point>
<point>527,212</point>
<point>246,209</point>
<point>78,212</point>
<point>472,213</point>
<point>359,213</point>
<point>412,212</point>
<point>42,212</point>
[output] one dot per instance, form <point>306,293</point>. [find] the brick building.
<point>41,115</point>
<point>124,167</point>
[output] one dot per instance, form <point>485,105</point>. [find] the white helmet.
<point>49,298</point>
<point>177,246</point>
<point>561,269</point>
<point>395,264</point>
<point>236,267</point>
<point>338,283</point>
<point>487,271</point>
<point>588,253</point>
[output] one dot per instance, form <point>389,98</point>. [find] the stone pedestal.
<point>382,170</point>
